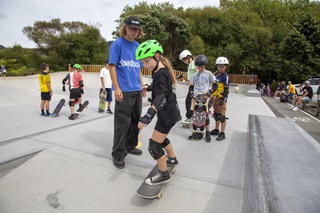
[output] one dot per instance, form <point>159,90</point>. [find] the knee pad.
<point>165,143</point>
<point>71,103</point>
<point>155,149</point>
<point>216,116</point>
<point>222,118</point>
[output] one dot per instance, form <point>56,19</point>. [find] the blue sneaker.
<point>43,115</point>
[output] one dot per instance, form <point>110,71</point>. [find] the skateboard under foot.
<point>151,192</point>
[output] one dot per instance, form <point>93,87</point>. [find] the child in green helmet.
<point>164,104</point>
<point>76,88</point>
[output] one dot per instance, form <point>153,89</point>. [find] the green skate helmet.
<point>77,66</point>
<point>148,49</point>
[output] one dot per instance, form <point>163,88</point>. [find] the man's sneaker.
<point>72,117</point>
<point>161,177</point>
<point>208,138</point>
<point>188,120</point>
<point>214,132</point>
<point>295,109</point>
<point>135,151</point>
<point>109,111</point>
<point>118,161</point>
<point>172,161</point>
<point>292,107</point>
<point>43,115</point>
<point>221,136</point>
<point>50,115</point>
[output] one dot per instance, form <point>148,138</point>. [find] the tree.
<point>300,49</point>
<point>67,42</point>
<point>160,23</point>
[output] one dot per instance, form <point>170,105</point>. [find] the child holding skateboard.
<point>187,58</point>
<point>164,104</point>
<point>200,84</point>
<point>220,104</point>
<point>76,88</point>
<point>106,85</point>
<point>46,91</point>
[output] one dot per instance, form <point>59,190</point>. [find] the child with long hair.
<point>164,104</point>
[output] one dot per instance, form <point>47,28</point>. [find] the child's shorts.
<point>45,96</point>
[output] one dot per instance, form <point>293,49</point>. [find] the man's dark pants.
<point>126,119</point>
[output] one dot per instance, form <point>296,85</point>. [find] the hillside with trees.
<point>274,39</point>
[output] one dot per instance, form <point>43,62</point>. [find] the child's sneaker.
<point>72,117</point>
<point>214,132</point>
<point>208,138</point>
<point>221,136</point>
<point>109,111</point>
<point>172,161</point>
<point>80,109</point>
<point>159,178</point>
<point>43,115</point>
<point>188,120</point>
<point>50,115</point>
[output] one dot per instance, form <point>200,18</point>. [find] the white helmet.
<point>184,54</point>
<point>222,60</point>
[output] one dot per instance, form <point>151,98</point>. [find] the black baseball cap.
<point>133,22</point>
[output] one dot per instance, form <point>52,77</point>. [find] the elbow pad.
<point>160,101</point>
<point>81,84</point>
<point>225,92</point>
<point>66,78</point>
<point>64,81</point>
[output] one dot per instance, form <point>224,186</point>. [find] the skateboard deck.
<point>58,108</point>
<point>150,192</point>
<point>84,105</point>
<point>199,117</point>
<point>102,102</point>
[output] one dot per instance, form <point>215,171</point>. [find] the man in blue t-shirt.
<point>127,85</point>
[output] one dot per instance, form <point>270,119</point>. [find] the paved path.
<point>70,169</point>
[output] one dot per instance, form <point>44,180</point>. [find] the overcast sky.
<point>16,14</point>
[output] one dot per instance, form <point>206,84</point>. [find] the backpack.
<point>283,99</point>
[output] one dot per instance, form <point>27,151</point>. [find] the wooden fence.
<point>182,76</point>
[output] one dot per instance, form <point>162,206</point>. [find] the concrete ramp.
<point>283,170</point>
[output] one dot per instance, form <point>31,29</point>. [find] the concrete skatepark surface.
<point>67,165</point>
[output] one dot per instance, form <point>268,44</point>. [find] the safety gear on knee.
<point>71,103</point>
<point>222,118</point>
<point>165,143</point>
<point>216,116</point>
<point>155,149</point>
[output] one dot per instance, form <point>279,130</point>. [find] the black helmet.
<point>201,60</point>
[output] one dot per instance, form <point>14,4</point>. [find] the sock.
<point>42,111</point>
<point>48,112</point>
<point>80,105</point>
